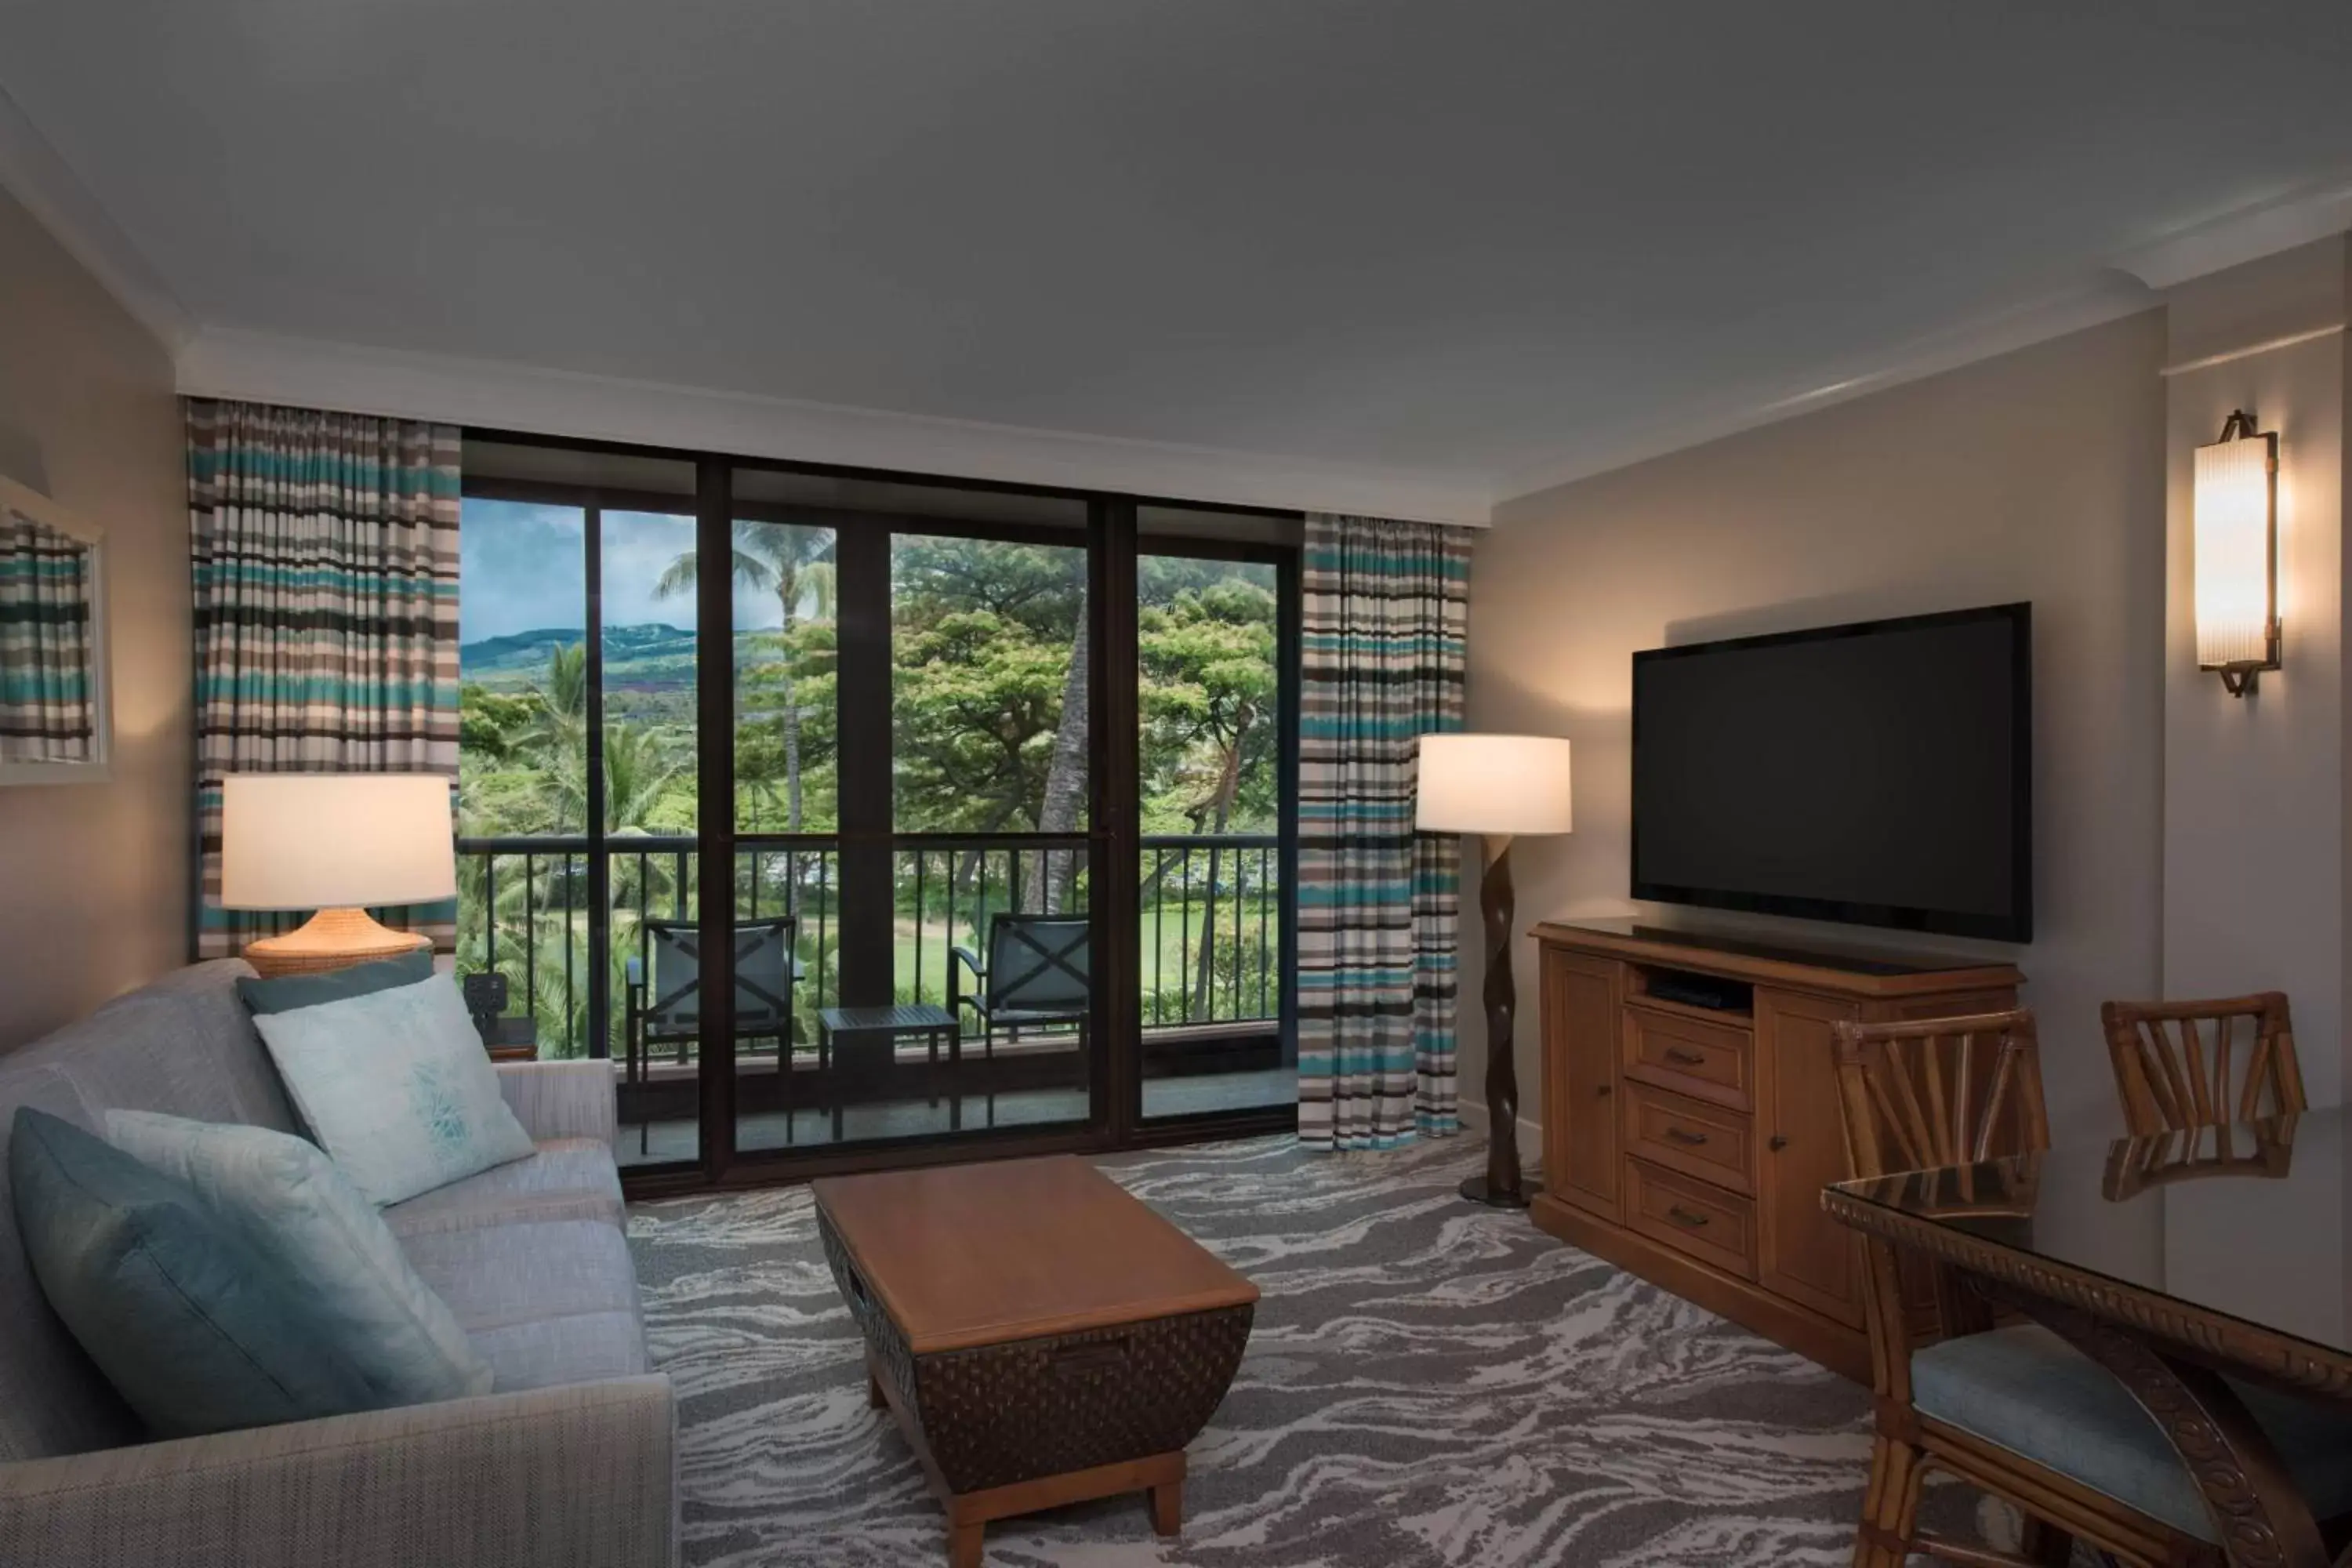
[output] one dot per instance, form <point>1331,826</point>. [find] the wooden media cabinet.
<point>1687,1136</point>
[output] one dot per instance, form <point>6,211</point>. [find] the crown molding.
<point>2249,233</point>
<point>311,374</point>
<point>33,172</point>
<point>2107,295</point>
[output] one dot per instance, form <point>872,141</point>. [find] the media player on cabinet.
<point>1690,1145</point>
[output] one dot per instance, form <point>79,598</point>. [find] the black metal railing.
<point>1209,937</point>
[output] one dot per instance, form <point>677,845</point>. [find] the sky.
<point>522,568</point>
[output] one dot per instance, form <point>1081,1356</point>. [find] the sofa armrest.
<point>561,1099</point>
<point>583,1477</point>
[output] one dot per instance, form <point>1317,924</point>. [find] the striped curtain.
<point>325,564</point>
<point>47,585</point>
<point>1385,615</point>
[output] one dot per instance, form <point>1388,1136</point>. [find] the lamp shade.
<point>2235,522</point>
<point>1492,783</point>
<point>318,841</point>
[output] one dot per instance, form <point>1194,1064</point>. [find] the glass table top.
<point>2252,1220</point>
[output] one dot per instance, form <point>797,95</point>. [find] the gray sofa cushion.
<point>199,1331</point>
<point>544,1303</point>
<point>567,1178</point>
<point>183,1045</point>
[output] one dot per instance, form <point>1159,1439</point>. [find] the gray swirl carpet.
<point>1428,1383</point>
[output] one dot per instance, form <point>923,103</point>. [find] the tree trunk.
<point>787,590</point>
<point>1229,781</point>
<point>1065,777</point>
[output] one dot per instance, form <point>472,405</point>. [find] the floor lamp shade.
<point>1494,783</point>
<point>333,843</point>
<point>1497,786</point>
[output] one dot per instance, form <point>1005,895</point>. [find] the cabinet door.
<point>1580,1063</point>
<point>1802,1253</point>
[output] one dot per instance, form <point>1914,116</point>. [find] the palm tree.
<point>796,565</point>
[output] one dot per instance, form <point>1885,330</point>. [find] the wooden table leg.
<point>963,1545</point>
<point>1167,1507</point>
<point>2262,1519</point>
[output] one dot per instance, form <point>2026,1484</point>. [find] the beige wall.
<point>2255,878</point>
<point>2039,475</point>
<point>93,878</point>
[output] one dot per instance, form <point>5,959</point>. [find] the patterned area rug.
<point>1428,1383</point>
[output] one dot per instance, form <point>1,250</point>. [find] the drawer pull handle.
<point>1686,1059</point>
<point>1682,1135</point>
<point>1681,1215</point>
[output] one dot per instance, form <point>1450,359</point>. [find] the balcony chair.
<point>1038,974</point>
<point>2178,1076</point>
<point>668,1010</point>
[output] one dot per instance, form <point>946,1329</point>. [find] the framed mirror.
<point>54,719</point>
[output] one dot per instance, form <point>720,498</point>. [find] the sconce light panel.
<point>2235,521</point>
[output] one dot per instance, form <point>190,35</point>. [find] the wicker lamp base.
<point>331,939</point>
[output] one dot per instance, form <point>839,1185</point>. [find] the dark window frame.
<point>1112,543</point>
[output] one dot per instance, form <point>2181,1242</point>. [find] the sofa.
<point>569,1460</point>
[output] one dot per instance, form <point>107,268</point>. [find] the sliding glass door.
<point>1217,657</point>
<point>855,819</point>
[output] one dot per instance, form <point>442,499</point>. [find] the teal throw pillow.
<point>288,992</point>
<point>195,1332</point>
<point>397,1087</point>
<point>302,1216</point>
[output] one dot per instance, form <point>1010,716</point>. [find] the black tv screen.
<point>1878,773</point>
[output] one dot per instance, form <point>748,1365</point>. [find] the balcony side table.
<point>862,1047</point>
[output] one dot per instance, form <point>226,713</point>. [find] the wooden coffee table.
<point>1040,1336</point>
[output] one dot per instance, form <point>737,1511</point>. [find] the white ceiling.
<point>1492,242</point>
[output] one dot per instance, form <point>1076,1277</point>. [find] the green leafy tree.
<point>795,564</point>
<point>1209,694</point>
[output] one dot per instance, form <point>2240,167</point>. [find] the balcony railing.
<point>1208,939</point>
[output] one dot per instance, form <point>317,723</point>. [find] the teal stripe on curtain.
<point>45,587</point>
<point>324,552</point>
<point>1383,623</point>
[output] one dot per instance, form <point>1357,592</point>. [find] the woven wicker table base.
<point>1161,1476</point>
<point>1038,1335</point>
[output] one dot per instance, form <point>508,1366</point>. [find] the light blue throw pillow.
<point>288,1202</point>
<point>397,1087</point>
<point>195,1332</point>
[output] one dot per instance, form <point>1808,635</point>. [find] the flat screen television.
<point>1878,774</point>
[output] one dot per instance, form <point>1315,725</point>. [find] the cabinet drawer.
<point>1690,1136</point>
<point>1692,1216</point>
<point>1706,1061</point>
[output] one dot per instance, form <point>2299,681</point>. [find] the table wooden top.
<point>976,1255</point>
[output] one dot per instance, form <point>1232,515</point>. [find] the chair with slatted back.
<point>2195,1064</point>
<point>2010,1410</point>
<point>2264,1151</point>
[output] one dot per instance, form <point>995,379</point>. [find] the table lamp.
<point>332,842</point>
<point>1497,786</point>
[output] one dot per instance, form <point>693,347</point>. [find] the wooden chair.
<point>2176,1062</point>
<point>1953,1092</point>
<point>2200,1154</point>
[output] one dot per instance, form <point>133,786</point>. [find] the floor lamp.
<point>1499,787</point>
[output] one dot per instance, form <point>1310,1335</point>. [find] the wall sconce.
<point>2235,520</point>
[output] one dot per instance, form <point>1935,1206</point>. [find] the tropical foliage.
<point>988,725</point>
